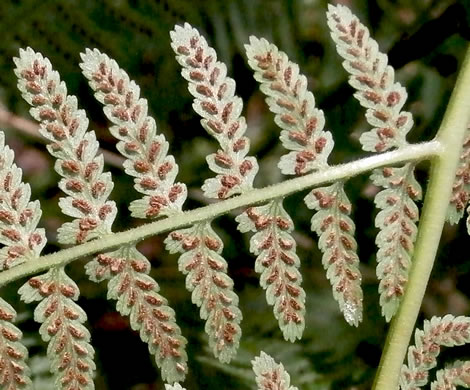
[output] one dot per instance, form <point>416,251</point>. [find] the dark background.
<point>425,39</point>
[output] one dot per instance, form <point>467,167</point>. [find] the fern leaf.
<point>69,349</point>
<point>384,98</point>
<point>397,224</point>
<point>88,189</point>
<point>64,125</point>
<point>220,109</point>
<point>216,103</point>
<point>461,187</point>
<point>155,172</point>
<point>277,263</point>
<point>137,297</point>
<point>14,373</point>
<point>373,79</point>
<point>228,128</point>
<point>445,331</point>
<point>211,287</point>
<point>335,229</point>
<point>294,108</point>
<point>166,198</point>
<point>450,377</point>
<point>19,216</point>
<point>270,375</point>
<point>23,241</point>
<point>146,152</point>
<point>302,133</point>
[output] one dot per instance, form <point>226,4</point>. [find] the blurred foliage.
<point>426,40</point>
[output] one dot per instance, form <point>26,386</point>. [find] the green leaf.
<point>395,240</point>
<point>211,287</point>
<point>69,350</point>
<point>215,101</point>
<point>270,375</point>
<point>277,263</point>
<point>294,108</point>
<point>137,296</point>
<point>14,372</point>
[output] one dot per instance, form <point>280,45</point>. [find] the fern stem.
<point>443,166</point>
<point>407,153</point>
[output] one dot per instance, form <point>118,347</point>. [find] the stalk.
<point>443,166</point>
<point>412,152</point>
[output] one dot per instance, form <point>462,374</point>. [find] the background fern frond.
<point>176,386</point>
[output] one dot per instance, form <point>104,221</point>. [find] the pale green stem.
<point>443,166</point>
<point>411,152</point>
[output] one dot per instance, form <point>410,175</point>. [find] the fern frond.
<point>216,103</point>
<point>146,152</point>
<point>19,217</point>
<point>228,128</point>
<point>137,297</point>
<point>69,349</point>
<point>373,79</point>
<point>211,287</point>
<point>277,263</point>
<point>88,189</point>
<point>220,109</point>
<point>270,375</point>
<point>458,374</point>
<point>75,148</point>
<point>131,127</point>
<point>384,98</point>
<point>302,133</point>
<point>335,229</point>
<point>14,373</point>
<point>461,187</point>
<point>445,331</point>
<point>397,224</point>
<point>294,108</point>
<point>22,241</point>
